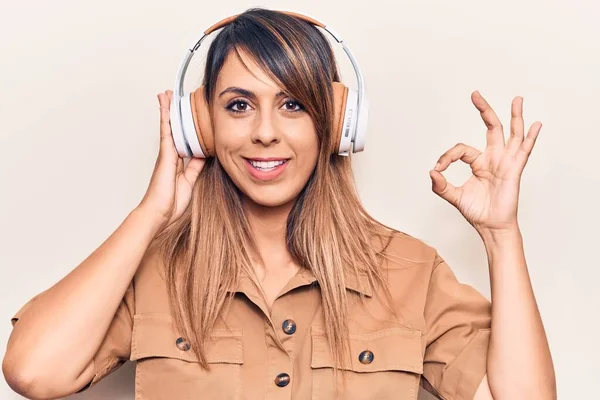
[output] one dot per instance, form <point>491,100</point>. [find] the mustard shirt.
<point>284,354</point>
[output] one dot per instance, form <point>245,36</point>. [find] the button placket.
<point>279,350</point>
<point>279,368</point>
<point>284,325</point>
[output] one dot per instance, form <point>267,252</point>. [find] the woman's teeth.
<point>266,165</point>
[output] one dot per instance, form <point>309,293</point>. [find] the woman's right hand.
<point>170,188</point>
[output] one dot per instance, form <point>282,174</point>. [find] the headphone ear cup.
<point>202,122</point>
<point>177,129</point>
<point>340,97</point>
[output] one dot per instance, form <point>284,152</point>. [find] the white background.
<point>79,136</point>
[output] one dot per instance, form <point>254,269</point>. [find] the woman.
<point>238,277</point>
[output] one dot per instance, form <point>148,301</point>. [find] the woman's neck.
<point>268,226</point>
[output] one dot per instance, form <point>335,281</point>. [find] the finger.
<point>167,146</point>
<point>163,102</point>
<point>179,165</point>
<point>495,134</point>
<point>460,151</point>
<point>527,146</point>
<point>443,188</point>
<point>516,125</point>
<point>193,169</point>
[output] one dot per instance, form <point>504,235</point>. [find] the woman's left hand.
<point>489,198</point>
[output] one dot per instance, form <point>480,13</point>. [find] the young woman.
<point>257,274</point>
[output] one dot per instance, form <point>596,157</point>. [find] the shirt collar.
<point>352,281</point>
<point>306,277</point>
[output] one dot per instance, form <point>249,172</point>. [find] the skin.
<point>266,125</point>
<point>519,363</point>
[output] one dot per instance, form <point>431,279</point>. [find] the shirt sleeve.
<point>458,321</point>
<point>115,348</point>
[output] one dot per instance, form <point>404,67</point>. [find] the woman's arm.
<point>50,349</point>
<point>519,364</point>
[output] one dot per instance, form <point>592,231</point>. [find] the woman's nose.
<point>266,131</point>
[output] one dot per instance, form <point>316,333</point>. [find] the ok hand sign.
<point>489,198</point>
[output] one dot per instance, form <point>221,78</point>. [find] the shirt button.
<point>289,326</point>
<point>282,379</point>
<point>182,344</point>
<point>366,357</point>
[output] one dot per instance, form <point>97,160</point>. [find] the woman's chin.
<point>270,198</point>
<point>270,202</point>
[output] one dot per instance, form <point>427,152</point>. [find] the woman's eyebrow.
<point>246,93</point>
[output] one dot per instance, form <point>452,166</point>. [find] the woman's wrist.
<point>155,220</point>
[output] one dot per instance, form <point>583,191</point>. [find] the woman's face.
<point>264,139</point>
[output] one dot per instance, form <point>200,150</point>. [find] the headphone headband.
<point>228,20</point>
<point>356,124</point>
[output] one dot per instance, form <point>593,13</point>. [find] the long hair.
<point>328,230</point>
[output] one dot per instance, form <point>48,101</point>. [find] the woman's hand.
<point>170,188</point>
<point>489,198</point>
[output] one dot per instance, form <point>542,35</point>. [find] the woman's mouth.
<point>266,169</point>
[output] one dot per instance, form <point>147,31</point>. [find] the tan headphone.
<point>190,118</point>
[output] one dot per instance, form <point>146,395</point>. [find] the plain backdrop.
<point>79,136</point>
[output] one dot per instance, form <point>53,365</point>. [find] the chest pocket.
<point>385,364</point>
<point>167,368</point>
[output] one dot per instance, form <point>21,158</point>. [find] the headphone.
<point>190,118</point>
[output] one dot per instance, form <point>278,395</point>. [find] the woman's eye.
<point>240,104</point>
<point>293,106</point>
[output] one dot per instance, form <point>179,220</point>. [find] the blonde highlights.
<point>328,230</point>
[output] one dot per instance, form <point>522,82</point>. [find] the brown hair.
<point>328,230</point>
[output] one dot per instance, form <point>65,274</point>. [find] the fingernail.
<point>437,166</point>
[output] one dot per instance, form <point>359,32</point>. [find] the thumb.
<point>192,170</point>
<point>443,188</point>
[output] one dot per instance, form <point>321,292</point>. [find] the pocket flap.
<point>395,348</point>
<point>154,335</point>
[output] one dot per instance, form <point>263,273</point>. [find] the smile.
<point>266,169</point>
